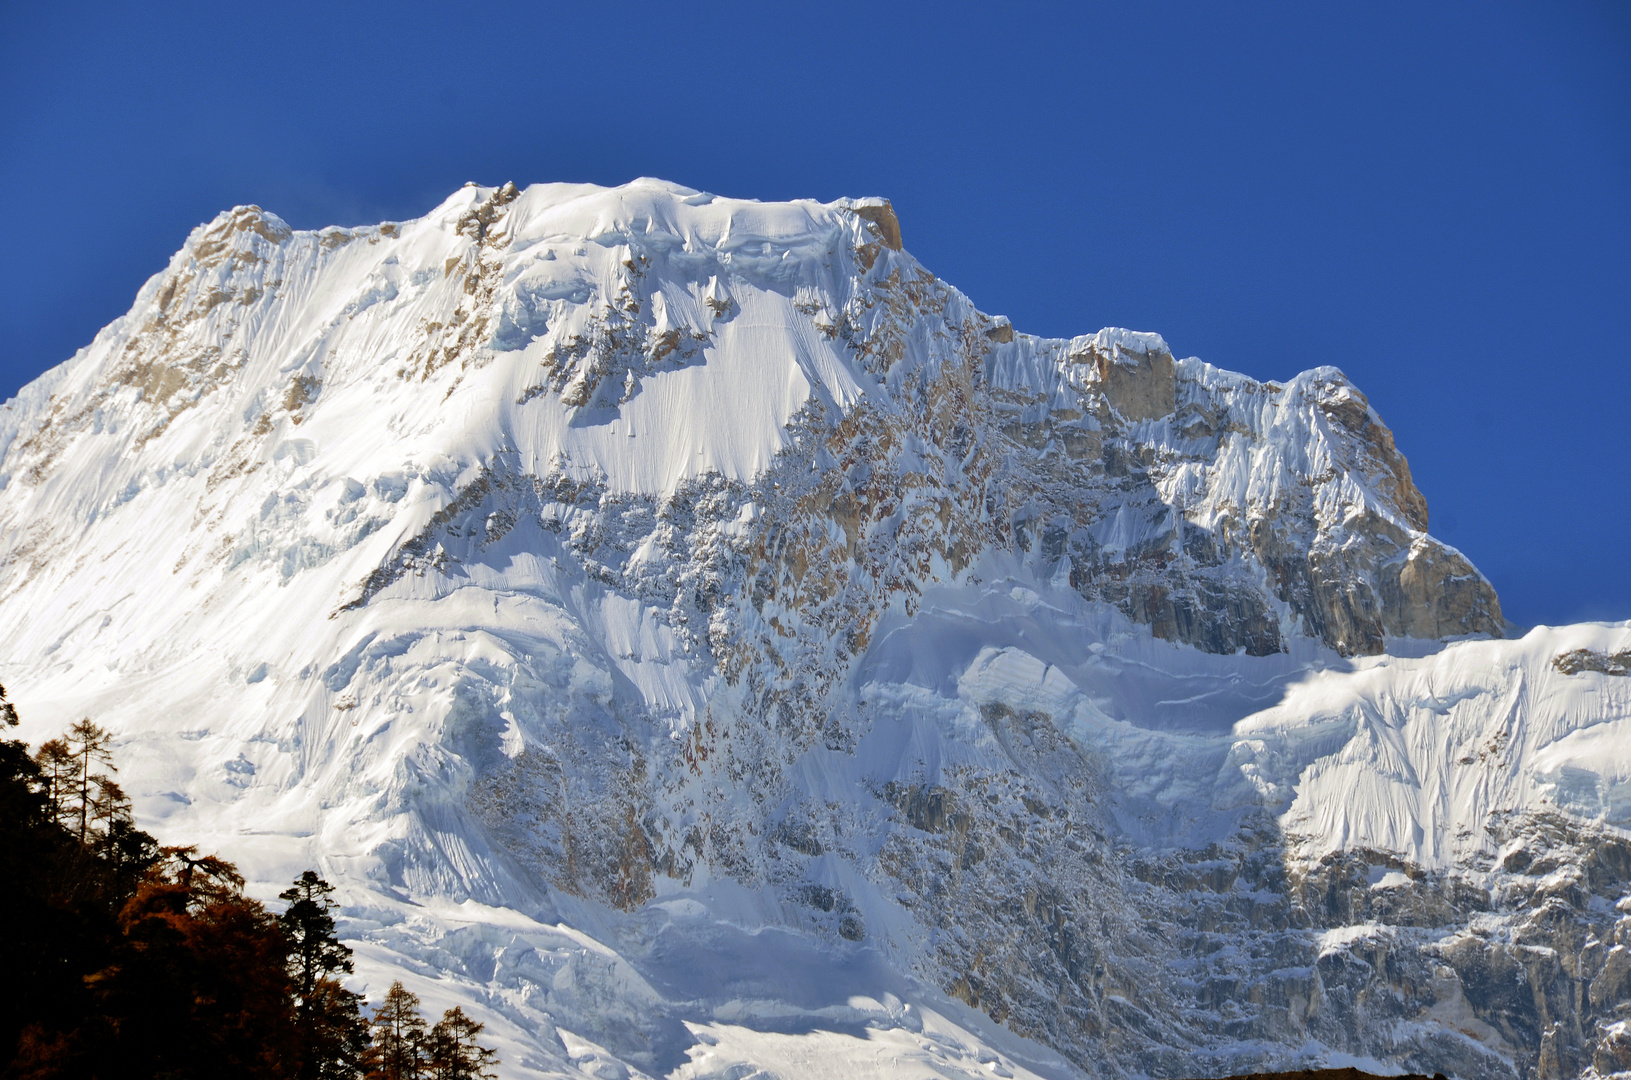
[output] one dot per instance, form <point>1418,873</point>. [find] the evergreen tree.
<point>110,806</point>
<point>197,987</point>
<point>315,951</point>
<point>56,764</point>
<point>85,802</point>
<point>88,745</point>
<point>8,711</point>
<point>33,948</point>
<point>62,897</point>
<point>452,1050</point>
<point>336,1046</point>
<point>398,1036</point>
<point>125,855</point>
<point>192,986</point>
<point>129,960</point>
<point>329,1021</point>
<point>145,962</point>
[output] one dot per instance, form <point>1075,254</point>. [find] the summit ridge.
<point>597,581</point>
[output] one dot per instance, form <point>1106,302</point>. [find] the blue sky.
<point>1435,198</point>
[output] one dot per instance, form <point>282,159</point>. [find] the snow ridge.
<point>632,595</point>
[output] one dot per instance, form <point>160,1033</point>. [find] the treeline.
<point>124,958</point>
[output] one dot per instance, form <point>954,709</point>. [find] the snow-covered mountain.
<point>699,641</point>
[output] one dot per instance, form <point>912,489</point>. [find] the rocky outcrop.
<point>635,548</point>
<point>1578,660</point>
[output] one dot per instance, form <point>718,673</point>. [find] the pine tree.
<point>62,896</point>
<point>130,960</point>
<point>399,1037</point>
<point>57,769</point>
<point>336,1046</point>
<point>315,952</point>
<point>88,745</point>
<point>125,854</point>
<point>329,1018</point>
<point>34,949</point>
<point>109,806</point>
<point>196,986</point>
<point>8,711</point>
<point>453,1052</point>
<point>202,879</point>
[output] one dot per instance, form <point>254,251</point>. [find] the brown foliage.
<point>132,961</point>
<point>195,987</point>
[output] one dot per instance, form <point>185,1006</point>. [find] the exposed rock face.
<point>1578,660</point>
<point>593,553</point>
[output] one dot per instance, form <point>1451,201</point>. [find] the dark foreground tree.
<point>195,987</point>
<point>452,1050</point>
<point>57,768</point>
<point>125,960</point>
<point>330,1031</point>
<point>335,1045</point>
<point>39,934</point>
<point>134,962</point>
<point>89,745</point>
<point>398,1031</point>
<point>61,899</point>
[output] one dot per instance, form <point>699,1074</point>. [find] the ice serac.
<point>697,639</point>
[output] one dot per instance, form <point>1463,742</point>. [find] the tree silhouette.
<point>196,986</point>
<point>62,895</point>
<point>399,1037</point>
<point>329,1021</point>
<point>335,1046</point>
<point>38,947</point>
<point>89,804</point>
<point>453,1052</point>
<point>89,744</point>
<point>57,771</point>
<point>140,961</point>
<point>202,878</point>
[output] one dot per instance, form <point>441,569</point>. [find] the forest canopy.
<point>136,959</point>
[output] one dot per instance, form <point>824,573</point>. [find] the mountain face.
<point>698,640</point>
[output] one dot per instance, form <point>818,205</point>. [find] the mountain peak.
<point>636,561</point>
<point>209,240</point>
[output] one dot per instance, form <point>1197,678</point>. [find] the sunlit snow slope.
<point>699,641</point>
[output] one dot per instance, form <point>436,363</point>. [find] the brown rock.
<point>1139,386</point>
<point>884,220</point>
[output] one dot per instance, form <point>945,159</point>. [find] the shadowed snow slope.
<point>698,641</point>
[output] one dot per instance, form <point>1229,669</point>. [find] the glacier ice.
<point>697,640</point>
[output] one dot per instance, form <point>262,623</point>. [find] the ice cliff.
<point>699,640</point>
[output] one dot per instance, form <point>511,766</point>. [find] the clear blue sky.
<point>1434,197</point>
